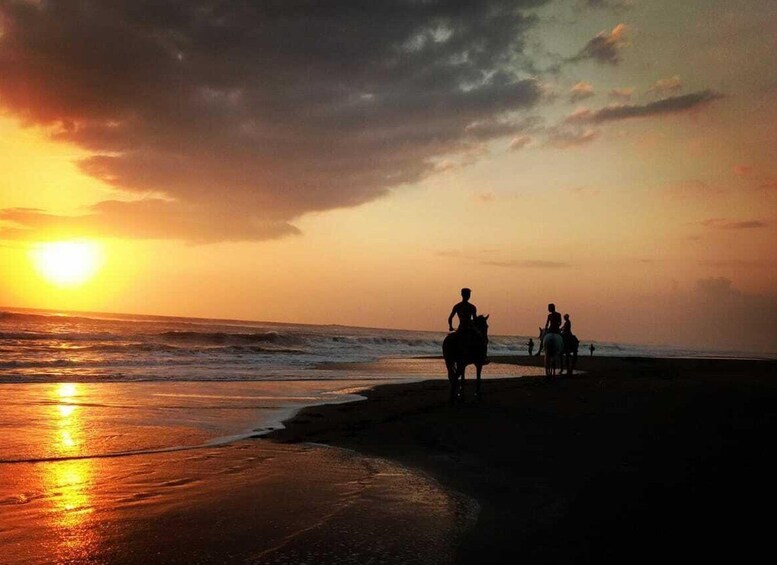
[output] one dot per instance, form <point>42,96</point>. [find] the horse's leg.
<point>461,381</point>
<point>453,374</point>
<point>477,383</point>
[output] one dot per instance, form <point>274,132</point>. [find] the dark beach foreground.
<point>637,460</point>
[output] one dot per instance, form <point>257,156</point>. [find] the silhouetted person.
<point>566,328</point>
<point>553,323</point>
<point>571,345</point>
<point>465,311</point>
<point>592,349</point>
<point>531,346</point>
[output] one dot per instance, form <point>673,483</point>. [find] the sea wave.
<point>219,338</point>
<point>58,336</point>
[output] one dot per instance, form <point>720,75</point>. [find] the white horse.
<point>553,344</point>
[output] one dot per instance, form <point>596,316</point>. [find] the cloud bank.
<point>244,116</point>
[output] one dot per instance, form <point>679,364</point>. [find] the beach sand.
<point>249,502</point>
<point>637,460</point>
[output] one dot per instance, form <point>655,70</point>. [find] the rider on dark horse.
<point>571,344</point>
<point>469,335</point>
<point>566,329</point>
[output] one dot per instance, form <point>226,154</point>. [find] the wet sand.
<point>249,502</point>
<point>172,473</point>
<point>637,460</point>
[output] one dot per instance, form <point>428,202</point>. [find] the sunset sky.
<point>358,162</point>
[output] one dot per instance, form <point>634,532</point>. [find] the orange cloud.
<point>581,91</point>
<point>519,142</point>
<point>666,86</point>
<point>623,94</point>
<point>605,47</point>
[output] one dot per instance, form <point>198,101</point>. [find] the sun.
<point>67,263</point>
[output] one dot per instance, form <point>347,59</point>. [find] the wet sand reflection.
<point>67,483</point>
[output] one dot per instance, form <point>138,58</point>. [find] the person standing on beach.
<point>592,349</point>
<point>531,346</point>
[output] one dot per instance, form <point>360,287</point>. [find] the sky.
<point>359,162</point>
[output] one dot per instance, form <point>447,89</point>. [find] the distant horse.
<point>458,354</point>
<point>553,345</point>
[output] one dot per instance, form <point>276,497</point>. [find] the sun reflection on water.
<point>68,482</point>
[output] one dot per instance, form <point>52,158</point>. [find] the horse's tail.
<point>450,352</point>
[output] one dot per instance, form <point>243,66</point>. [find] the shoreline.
<point>636,452</point>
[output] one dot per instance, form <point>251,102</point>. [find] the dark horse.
<point>569,355</point>
<point>472,352</point>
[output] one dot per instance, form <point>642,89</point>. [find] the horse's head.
<point>481,323</point>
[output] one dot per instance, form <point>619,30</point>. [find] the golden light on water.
<point>68,482</point>
<point>67,263</point>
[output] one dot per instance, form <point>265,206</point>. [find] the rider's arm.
<point>450,319</point>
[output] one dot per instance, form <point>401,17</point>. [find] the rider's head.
<point>566,316</point>
<point>465,293</point>
<point>551,307</point>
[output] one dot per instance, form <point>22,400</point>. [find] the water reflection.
<point>68,482</point>
<point>68,422</point>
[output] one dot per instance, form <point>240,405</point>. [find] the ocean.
<point>49,347</point>
<point>83,385</point>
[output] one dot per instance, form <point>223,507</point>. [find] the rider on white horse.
<point>551,341</point>
<point>553,323</point>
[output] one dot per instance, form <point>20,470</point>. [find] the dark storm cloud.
<point>246,115</point>
<point>671,105</point>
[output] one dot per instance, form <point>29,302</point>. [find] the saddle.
<point>471,343</point>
